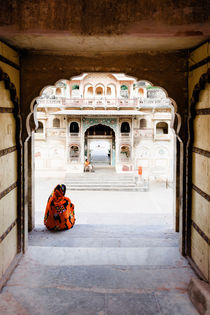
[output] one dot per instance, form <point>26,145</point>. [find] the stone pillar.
<point>176,181</point>
<point>67,141</point>
<point>132,144</point>
<point>82,143</point>
<point>117,135</point>
<point>31,183</point>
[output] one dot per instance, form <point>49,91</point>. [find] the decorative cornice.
<point>202,111</point>
<point>201,152</point>
<point>7,190</point>
<point>9,62</point>
<point>89,122</point>
<point>2,237</point>
<point>200,192</point>
<point>8,150</point>
<point>202,234</point>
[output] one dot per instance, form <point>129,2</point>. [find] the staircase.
<point>103,181</point>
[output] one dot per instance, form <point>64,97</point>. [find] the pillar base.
<point>199,293</point>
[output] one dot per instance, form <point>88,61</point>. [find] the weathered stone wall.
<point>200,135</point>
<point>88,16</point>
<point>8,162</point>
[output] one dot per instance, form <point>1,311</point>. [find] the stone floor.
<point>121,257</point>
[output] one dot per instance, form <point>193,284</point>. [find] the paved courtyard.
<point>154,207</point>
<point>121,258</point>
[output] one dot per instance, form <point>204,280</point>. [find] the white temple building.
<point>110,118</point>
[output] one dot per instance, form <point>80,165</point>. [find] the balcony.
<point>125,134</point>
<point>74,134</point>
<point>106,103</point>
<point>103,102</point>
<point>162,137</point>
<point>49,102</point>
<point>56,132</point>
<point>143,133</point>
<point>150,103</point>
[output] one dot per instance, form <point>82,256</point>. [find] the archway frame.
<point>31,125</point>
<point>96,124</point>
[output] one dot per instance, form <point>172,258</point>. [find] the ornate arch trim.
<point>89,122</point>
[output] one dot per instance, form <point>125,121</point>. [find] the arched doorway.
<point>100,145</point>
<point>113,138</point>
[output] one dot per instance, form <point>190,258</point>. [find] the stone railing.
<point>49,102</point>
<point>163,136</point>
<point>106,103</point>
<point>125,134</point>
<point>144,133</point>
<point>74,134</point>
<point>102,102</point>
<point>90,102</point>
<point>156,102</point>
<point>55,132</point>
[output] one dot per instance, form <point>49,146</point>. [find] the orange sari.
<point>59,213</point>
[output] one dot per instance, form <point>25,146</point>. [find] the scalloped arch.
<point>31,121</point>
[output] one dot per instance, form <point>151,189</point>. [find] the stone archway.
<point>111,122</point>
<point>99,144</point>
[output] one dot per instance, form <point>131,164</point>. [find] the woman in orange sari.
<point>59,213</point>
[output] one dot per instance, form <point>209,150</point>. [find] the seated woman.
<point>59,213</point>
<point>88,167</point>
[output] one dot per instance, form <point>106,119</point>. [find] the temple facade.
<point>110,119</point>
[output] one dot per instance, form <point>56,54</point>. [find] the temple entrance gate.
<point>99,147</point>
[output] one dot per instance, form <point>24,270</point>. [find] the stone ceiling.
<point>103,26</point>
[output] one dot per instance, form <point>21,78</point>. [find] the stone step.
<point>107,188</point>
<point>99,182</point>
<point>100,177</point>
<point>96,179</point>
<point>104,182</point>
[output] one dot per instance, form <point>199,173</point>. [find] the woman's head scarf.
<point>59,192</point>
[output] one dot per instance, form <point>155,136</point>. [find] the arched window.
<point>90,91</point>
<point>124,153</point>
<point>140,91</point>
<point>143,123</point>
<point>74,127</point>
<point>40,128</point>
<point>74,152</point>
<point>58,91</point>
<point>109,91</point>
<point>75,91</point>
<point>123,87</point>
<point>162,128</point>
<point>124,91</point>
<point>125,127</point>
<point>99,90</point>
<point>75,87</point>
<point>56,123</point>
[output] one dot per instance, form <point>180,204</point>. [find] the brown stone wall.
<point>199,162</point>
<point>9,190</point>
